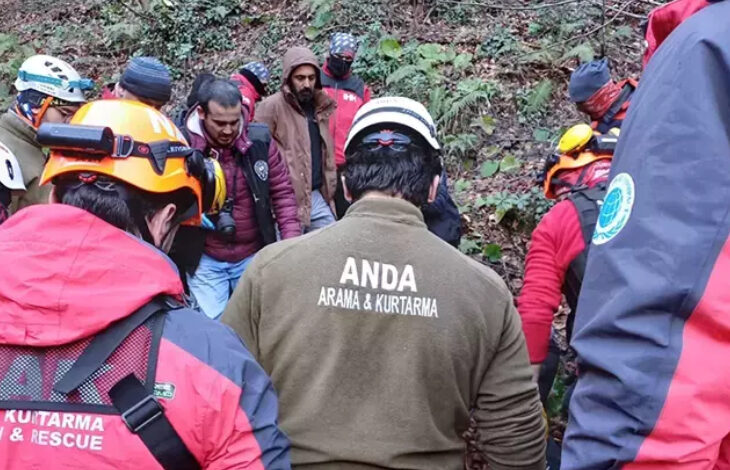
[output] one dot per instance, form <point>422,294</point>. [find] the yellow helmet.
<point>133,143</point>
<point>219,197</point>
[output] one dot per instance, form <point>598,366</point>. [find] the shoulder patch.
<point>262,170</point>
<point>616,209</point>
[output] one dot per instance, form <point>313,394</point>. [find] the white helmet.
<point>10,175</point>
<point>394,110</point>
<point>54,77</point>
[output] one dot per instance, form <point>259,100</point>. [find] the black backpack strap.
<point>626,93</point>
<point>145,417</point>
<point>259,132</point>
<point>104,344</point>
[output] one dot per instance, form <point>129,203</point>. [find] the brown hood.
<point>295,57</point>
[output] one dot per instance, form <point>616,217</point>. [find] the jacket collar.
<point>391,208</point>
<point>195,127</point>
<point>19,127</point>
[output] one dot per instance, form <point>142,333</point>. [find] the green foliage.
<point>175,33</point>
<point>499,43</point>
<point>322,15</point>
<point>509,164</point>
<point>470,246</point>
<point>489,168</point>
<point>492,252</point>
<point>12,55</point>
<point>527,208</point>
<point>535,101</point>
<point>462,185</point>
<point>390,47</point>
<point>459,146</point>
<point>583,51</point>
<point>454,109</point>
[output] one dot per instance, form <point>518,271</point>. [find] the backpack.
<point>115,352</point>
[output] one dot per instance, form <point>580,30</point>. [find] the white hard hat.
<point>394,110</point>
<point>53,77</point>
<point>10,174</point>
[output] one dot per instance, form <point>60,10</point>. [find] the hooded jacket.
<point>73,276</point>
<point>20,137</point>
<point>247,239</point>
<point>665,19</point>
<point>288,124</point>
<point>653,325</point>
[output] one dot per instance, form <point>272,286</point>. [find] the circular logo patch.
<point>262,170</point>
<point>616,209</point>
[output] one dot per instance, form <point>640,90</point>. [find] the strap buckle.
<point>142,414</point>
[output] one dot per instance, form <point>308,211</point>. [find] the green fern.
<point>537,99</point>
<point>469,94</point>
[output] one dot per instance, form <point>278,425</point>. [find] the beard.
<point>305,95</point>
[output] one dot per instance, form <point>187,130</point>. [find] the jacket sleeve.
<point>556,241</point>
<point>508,414</point>
<point>283,199</point>
<point>247,437</point>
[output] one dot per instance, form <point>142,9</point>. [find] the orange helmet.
<point>130,142</point>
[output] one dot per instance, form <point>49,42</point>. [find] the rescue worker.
<point>251,81</point>
<point>298,116</point>
<point>49,90</point>
<point>349,92</point>
<point>653,325</point>
<point>576,175</point>
<point>597,95</point>
<point>378,357</point>
<point>102,366</point>
<point>11,180</point>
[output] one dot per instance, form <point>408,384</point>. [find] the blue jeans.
<point>322,215</point>
<point>213,282</point>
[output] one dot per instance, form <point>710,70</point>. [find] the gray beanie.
<point>147,78</point>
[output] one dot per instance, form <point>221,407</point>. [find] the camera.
<point>225,225</point>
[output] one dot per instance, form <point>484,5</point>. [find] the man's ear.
<point>201,112</point>
<point>346,190</point>
<point>53,197</point>
<point>160,226</point>
<point>434,188</point>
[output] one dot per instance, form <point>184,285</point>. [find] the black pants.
<point>341,204</point>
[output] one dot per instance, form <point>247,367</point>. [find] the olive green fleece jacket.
<point>20,138</point>
<point>380,339</point>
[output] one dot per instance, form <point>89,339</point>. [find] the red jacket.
<point>350,93</point>
<point>247,240</point>
<point>664,19</point>
<point>556,242</point>
<point>73,275</point>
<point>249,95</point>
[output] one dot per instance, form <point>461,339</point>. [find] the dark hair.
<point>117,203</point>
<point>200,81</point>
<point>407,174</point>
<point>223,92</point>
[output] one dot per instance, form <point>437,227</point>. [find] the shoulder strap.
<point>139,409</point>
<point>145,417</point>
<point>586,204</point>
<point>103,345</point>
<point>615,108</point>
<point>259,132</point>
